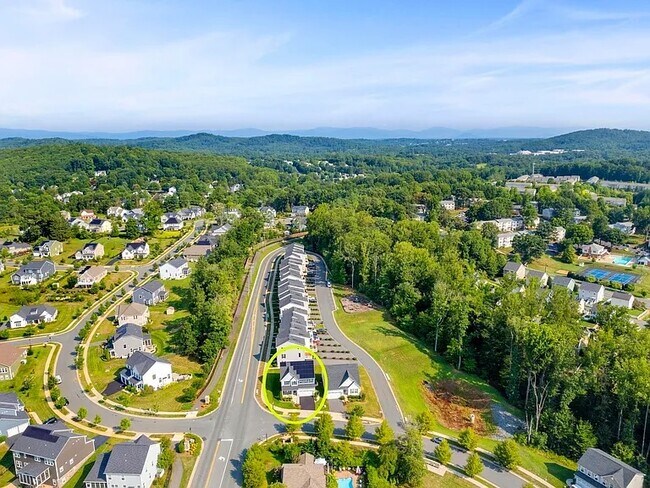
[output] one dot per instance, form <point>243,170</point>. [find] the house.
<point>33,273</point>
<point>145,369</point>
<point>91,251</point>
<point>591,292</point>
<point>539,275</point>
<point>91,276</point>
<point>11,358</point>
<point>219,230</point>
<point>100,226</point>
<point>173,223</point>
<point>298,379</point>
<point>299,224</point>
<point>420,212</point>
<point>593,250</point>
<point>13,418</point>
<point>100,173</point>
<point>509,224</point>
<point>33,314</point>
<point>505,239</point>
<point>343,380</point>
<point>564,282</point>
<point>615,202</point>
<point>299,211</point>
<point>516,269</point>
<point>132,313</point>
<point>49,454</point>
<point>150,293</point>
<point>268,213</point>
<point>136,250</point>
<point>16,248</point>
<point>548,213</point>
<point>78,222</point>
<point>294,301</point>
<point>558,234</point>
<point>304,473</point>
<point>87,215</point>
<point>132,464</point>
<point>232,214</point>
<point>207,240</point>
<point>116,212</point>
<point>196,252</point>
<point>622,299</point>
<point>448,204</point>
<point>176,269</point>
<point>128,339</point>
<point>235,188</point>
<point>133,214</point>
<point>170,215</point>
<point>47,249</point>
<point>626,228</point>
<point>597,469</point>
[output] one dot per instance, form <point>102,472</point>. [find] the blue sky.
<point>124,65</point>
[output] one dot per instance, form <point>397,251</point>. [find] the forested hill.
<point>596,142</point>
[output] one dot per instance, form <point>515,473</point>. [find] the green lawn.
<point>28,383</point>
<point>113,246</point>
<point>160,327</point>
<point>447,481</point>
<point>274,392</point>
<point>6,465</point>
<point>409,362</point>
<point>371,403</point>
<point>189,460</point>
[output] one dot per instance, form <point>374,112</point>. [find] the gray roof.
<point>143,361</point>
<point>35,312</point>
<point>564,281</point>
<point>615,471</point>
<point>292,299</point>
<point>177,263</point>
<point>621,295</point>
<point>512,266</point>
<point>338,373</point>
<point>130,330</point>
<point>90,247</point>
<point>46,441</point>
<point>595,287</point>
<point>35,265</point>
<point>129,457</point>
<point>98,472</point>
<point>10,398</point>
<point>134,246</point>
<point>535,274</point>
<point>153,286</point>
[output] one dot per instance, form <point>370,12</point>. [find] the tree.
<point>411,464</point>
<point>97,420</point>
<point>507,454</point>
<point>82,413</point>
<point>528,246</point>
<point>384,433</point>
<point>253,469</point>
<point>324,429</point>
<point>292,427</point>
<point>125,424</point>
<point>131,229</point>
<point>569,254</point>
<point>443,452</point>
<point>424,422</point>
<point>474,465</point>
<point>468,439</point>
<point>354,427</point>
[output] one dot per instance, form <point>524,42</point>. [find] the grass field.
<point>371,403</point>
<point>28,383</point>
<point>447,481</point>
<point>409,363</point>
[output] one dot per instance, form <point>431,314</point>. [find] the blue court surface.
<point>603,274</point>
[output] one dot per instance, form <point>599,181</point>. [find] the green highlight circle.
<point>267,368</point>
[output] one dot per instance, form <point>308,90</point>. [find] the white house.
<point>559,233</point>
<point>299,211</point>
<point>509,224</point>
<point>33,314</point>
<point>591,292</point>
<point>92,250</point>
<point>13,418</point>
<point>91,276</point>
<point>176,269</point>
<point>516,269</point>
<point>136,250</point>
<point>173,223</point>
<point>597,469</point>
<point>539,275</point>
<point>145,369</point>
<point>505,239</point>
<point>593,250</point>
<point>622,299</point>
<point>132,464</point>
<point>626,228</point>
<point>448,204</point>
<point>343,380</point>
<point>100,226</point>
<point>132,313</point>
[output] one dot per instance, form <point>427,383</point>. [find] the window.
<point>37,459</point>
<point>17,455</point>
<point>49,462</point>
<point>19,464</point>
<point>284,356</point>
<point>71,461</point>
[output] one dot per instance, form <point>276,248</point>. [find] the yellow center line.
<point>214,458</point>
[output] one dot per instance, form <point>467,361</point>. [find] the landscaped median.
<point>413,368</point>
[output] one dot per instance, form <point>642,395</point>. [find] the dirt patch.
<point>457,404</point>
<point>356,304</point>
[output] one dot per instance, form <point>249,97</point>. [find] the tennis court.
<point>602,274</point>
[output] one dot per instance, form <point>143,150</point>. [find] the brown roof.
<point>304,474</point>
<point>10,354</point>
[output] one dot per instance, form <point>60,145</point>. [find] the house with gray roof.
<point>128,339</point>
<point>516,269</point>
<point>92,250</point>
<point>173,223</point>
<point>47,249</point>
<point>136,250</point>
<point>298,379</point>
<point>597,469</point>
<point>145,369</point>
<point>219,230</point>
<point>175,269</point>
<point>540,276</point>
<point>33,273</point>
<point>563,282</point>
<point>132,464</point>
<point>33,314</point>
<point>13,418</point>
<point>343,380</point>
<point>16,248</point>
<point>591,292</point>
<point>150,293</point>
<point>49,454</point>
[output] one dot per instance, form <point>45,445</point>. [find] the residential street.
<point>240,420</point>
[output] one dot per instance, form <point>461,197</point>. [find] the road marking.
<point>214,458</point>
<point>224,468</point>
<point>250,353</point>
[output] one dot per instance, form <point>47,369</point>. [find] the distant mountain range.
<point>514,132</point>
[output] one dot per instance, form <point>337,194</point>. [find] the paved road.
<point>240,420</point>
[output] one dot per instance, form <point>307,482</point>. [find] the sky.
<point>124,65</point>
